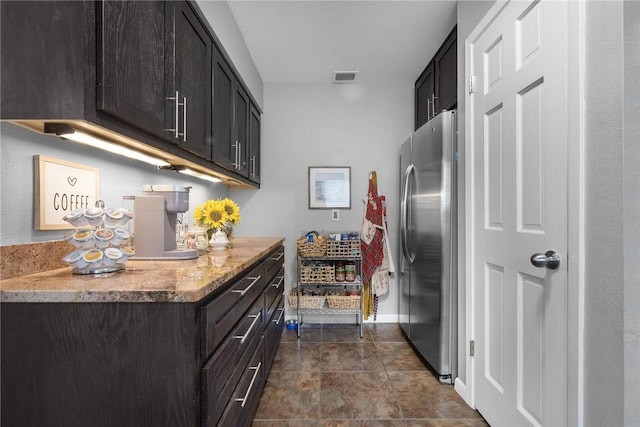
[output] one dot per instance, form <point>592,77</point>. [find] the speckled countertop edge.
<point>143,281</point>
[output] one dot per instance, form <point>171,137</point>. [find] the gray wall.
<point>357,125</point>
<point>612,212</point>
<point>118,176</point>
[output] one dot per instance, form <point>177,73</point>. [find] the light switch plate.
<point>335,215</point>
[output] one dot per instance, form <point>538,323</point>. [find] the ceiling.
<point>306,41</point>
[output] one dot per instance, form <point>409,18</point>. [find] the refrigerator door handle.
<point>404,215</point>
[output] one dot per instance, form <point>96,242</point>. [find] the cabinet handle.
<point>277,258</point>
<point>184,119</point>
<point>253,166</point>
<point>253,380</point>
<point>281,278</point>
<point>255,317</point>
<point>281,310</point>
<point>433,104</point>
<point>236,156</point>
<point>238,165</point>
<point>244,291</point>
<point>428,105</point>
<point>177,115</point>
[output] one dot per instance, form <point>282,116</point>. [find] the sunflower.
<point>217,214</point>
<point>232,210</point>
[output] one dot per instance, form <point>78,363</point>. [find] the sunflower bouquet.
<point>218,215</point>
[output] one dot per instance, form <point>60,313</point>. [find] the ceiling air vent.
<point>344,76</point>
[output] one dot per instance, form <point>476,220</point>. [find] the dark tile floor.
<point>332,377</point>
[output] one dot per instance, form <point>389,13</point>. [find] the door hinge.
<point>472,348</point>
<point>471,84</point>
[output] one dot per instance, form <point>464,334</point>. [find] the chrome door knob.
<point>549,259</point>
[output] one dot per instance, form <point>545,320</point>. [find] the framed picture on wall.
<point>330,187</point>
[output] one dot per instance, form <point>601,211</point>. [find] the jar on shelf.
<point>350,271</point>
<point>340,271</point>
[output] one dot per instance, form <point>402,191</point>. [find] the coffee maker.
<point>155,222</point>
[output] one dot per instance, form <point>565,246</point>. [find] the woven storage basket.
<point>343,248</point>
<point>340,301</point>
<point>306,301</point>
<point>316,248</point>
<point>317,273</point>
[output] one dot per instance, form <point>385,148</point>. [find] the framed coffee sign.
<point>61,187</point>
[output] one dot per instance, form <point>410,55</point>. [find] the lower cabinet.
<point>143,364</point>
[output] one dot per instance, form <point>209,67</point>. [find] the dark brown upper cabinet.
<point>436,87</point>
<point>254,145</point>
<point>446,72</point>
<point>425,94</point>
<point>148,74</point>
<point>154,70</point>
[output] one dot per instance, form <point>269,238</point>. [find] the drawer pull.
<point>277,258</point>
<point>253,380</point>
<point>242,338</point>
<point>277,285</point>
<point>281,310</point>
<point>244,291</point>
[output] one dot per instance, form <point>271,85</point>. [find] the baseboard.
<point>383,318</point>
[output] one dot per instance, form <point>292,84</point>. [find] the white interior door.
<point>519,196</point>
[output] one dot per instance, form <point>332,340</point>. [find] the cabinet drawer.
<point>220,315</point>
<point>247,395</point>
<point>273,264</point>
<point>250,329</point>
<point>274,289</point>
<point>251,286</point>
<point>219,379</point>
<point>273,333</point>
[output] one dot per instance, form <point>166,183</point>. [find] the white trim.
<point>461,389</point>
<point>575,213</point>
<point>469,390</point>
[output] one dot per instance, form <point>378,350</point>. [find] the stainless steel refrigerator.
<point>428,264</point>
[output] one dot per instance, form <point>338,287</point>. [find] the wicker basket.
<point>316,248</point>
<point>306,301</point>
<point>317,273</point>
<point>340,301</point>
<point>343,248</point>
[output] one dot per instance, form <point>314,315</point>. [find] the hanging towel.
<point>372,236</point>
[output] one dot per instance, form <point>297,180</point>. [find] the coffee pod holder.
<point>101,242</point>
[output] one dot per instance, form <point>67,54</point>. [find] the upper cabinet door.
<point>132,53</point>
<point>224,153</point>
<point>254,145</point>
<point>241,129</point>
<point>425,93</point>
<point>446,72</point>
<point>192,81</point>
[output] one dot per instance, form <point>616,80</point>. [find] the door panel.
<point>519,140</point>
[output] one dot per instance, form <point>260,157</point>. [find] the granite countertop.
<point>143,281</point>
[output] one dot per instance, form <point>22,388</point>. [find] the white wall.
<point>356,125</point>
<point>119,176</point>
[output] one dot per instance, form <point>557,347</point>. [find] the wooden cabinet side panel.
<point>99,365</point>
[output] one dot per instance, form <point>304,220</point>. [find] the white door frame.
<point>575,212</point>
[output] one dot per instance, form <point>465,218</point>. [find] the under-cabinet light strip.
<point>87,139</point>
